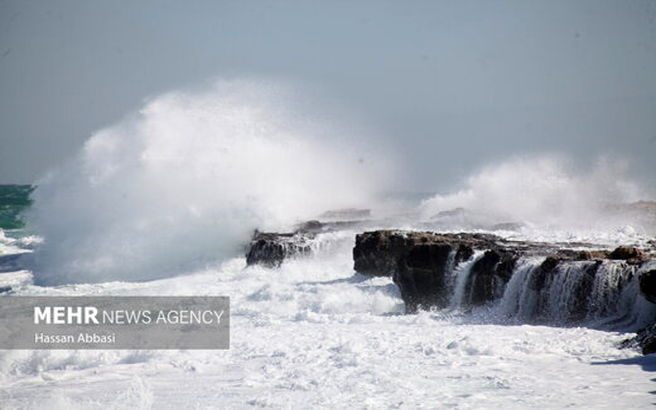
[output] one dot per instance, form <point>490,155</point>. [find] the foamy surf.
<point>312,332</point>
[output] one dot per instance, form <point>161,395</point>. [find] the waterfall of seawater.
<point>599,294</point>
<point>461,272</point>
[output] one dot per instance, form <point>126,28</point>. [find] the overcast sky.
<point>449,85</point>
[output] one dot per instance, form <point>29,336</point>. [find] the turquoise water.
<point>14,199</point>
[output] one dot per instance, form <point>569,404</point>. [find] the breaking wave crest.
<point>187,179</point>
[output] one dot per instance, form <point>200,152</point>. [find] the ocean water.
<point>165,202</point>
<point>315,334</point>
<point>14,199</point>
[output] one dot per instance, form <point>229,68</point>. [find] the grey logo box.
<point>114,322</point>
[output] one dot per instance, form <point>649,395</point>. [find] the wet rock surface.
<point>421,264</point>
<point>645,340</point>
<point>628,253</point>
<point>376,253</point>
<point>648,285</point>
<point>489,275</point>
<point>271,249</point>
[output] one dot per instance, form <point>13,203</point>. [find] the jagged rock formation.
<point>419,262</point>
<point>489,275</point>
<point>628,253</point>
<point>423,265</point>
<point>271,249</point>
<point>377,253</point>
<point>645,340</point>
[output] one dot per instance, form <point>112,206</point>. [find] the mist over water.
<point>547,191</point>
<point>188,179</point>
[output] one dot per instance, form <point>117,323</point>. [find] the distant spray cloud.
<point>544,190</point>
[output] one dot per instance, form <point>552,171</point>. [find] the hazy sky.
<point>449,85</point>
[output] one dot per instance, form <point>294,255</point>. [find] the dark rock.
<point>506,266</point>
<point>648,285</point>
<point>582,290</point>
<point>628,253</point>
<point>465,252</point>
<point>377,253</point>
<point>542,273</point>
<point>645,340</point>
<point>421,265</point>
<point>417,261</point>
<point>489,275</point>
<point>271,249</point>
<point>421,276</point>
<point>544,276</point>
<point>580,255</point>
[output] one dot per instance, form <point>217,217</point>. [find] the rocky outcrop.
<point>544,273</point>
<point>421,273</point>
<point>422,265</point>
<point>648,285</point>
<point>545,277</point>
<point>271,249</point>
<point>628,253</point>
<point>645,340</point>
<point>489,275</point>
<point>377,253</point>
